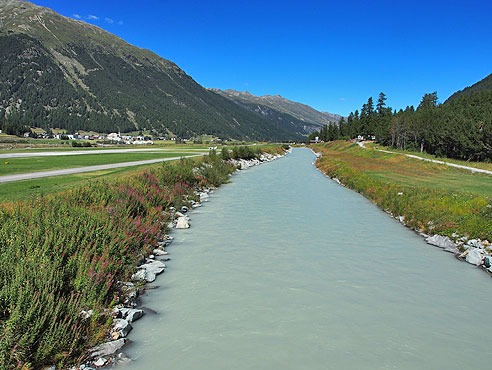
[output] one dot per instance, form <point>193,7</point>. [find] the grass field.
<point>408,171</point>
<point>20,190</point>
<point>61,145</point>
<point>34,164</point>
<point>482,165</point>
<point>432,197</point>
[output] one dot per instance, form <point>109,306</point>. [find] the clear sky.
<point>331,55</point>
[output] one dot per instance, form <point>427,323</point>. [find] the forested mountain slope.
<point>60,72</point>
<point>482,85</point>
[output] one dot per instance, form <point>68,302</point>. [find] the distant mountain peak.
<point>300,111</point>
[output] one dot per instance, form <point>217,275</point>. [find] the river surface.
<point>285,269</point>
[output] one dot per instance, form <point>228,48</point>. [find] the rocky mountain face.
<point>303,113</point>
<point>60,72</point>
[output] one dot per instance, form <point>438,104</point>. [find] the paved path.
<point>97,151</point>
<point>70,171</point>
<point>473,169</point>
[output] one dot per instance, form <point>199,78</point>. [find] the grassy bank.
<point>64,253</point>
<point>433,198</point>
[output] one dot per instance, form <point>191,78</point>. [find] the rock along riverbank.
<point>474,251</point>
<point>130,309</point>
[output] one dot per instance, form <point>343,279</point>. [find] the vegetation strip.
<point>453,216</point>
<point>63,256</point>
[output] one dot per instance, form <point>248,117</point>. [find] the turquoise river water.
<point>285,269</point>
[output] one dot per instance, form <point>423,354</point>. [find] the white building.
<point>113,137</point>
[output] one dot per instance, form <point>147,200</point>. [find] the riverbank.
<point>75,250</point>
<point>449,207</point>
<point>146,272</point>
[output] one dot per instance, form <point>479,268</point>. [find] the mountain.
<point>302,112</point>
<point>60,72</point>
<point>483,85</point>
<point>286,120</point>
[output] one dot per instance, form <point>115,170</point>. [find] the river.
<point>285,269</point>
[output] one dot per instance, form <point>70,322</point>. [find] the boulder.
<point>159,252</point>
<point>131,314</point>
<point>164,243</point>
<point>182,223</point>
<point>129,291</point>
<point>140,275</point>
<point>440,241</point>
<point>474,256</point>
<point>153,266</point>
<point>100,362</point>
<point>106,349</point>
<point>122,326</point>
<point>475,243</point>
<point>487,261</point>
<point>117,313</point>
<point>148,271</point>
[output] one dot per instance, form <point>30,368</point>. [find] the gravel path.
<point>70,171</point>
<point>472,169</point>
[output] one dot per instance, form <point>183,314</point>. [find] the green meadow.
<point>11,166</point>
<point>434,198</point>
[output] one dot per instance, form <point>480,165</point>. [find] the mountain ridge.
<point>298,110</point>
<point>58,72</point>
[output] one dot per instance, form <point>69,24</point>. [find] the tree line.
<point>461,128</point>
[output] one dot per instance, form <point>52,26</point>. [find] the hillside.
<point>305,114</point>
<point>288,121</point>
<point>60,72</point>
<point>482,85</point>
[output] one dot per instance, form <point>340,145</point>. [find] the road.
<point>472,169</point>
<point>100,151</point>
<point>70,171</point>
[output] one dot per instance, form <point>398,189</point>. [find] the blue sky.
<point>330,55</point>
